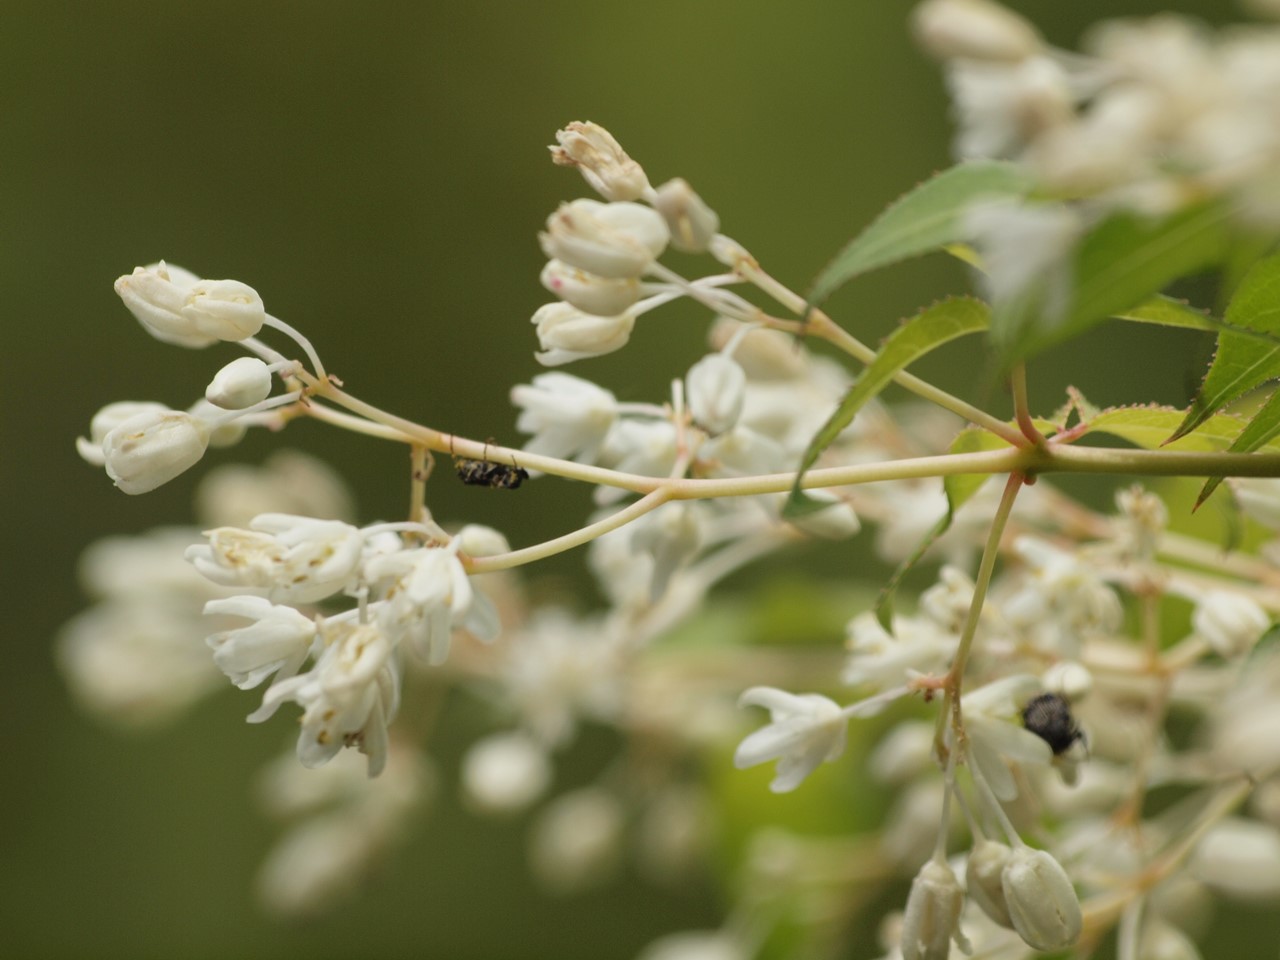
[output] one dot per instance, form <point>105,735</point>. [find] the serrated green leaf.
<point>1119,263</point>
<point>1148,427</point>
<point>1167,312</point>
<point>923,220</point>
<point>928,329</point>
<point>1264,426</point>
<point>1241,363</point>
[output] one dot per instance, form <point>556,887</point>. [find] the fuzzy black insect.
<point>482,473</point>
<point>1049,717</point>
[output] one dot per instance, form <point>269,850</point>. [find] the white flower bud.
<point>478,540</point>
<point>692,223</point>
<point>226,309</point>
<point>566,334</point>
<point>226,434</point>
<point>1041,902</point>
<point>589,293</point>
<point>601,160</point>
<point>1229,622</point>
<point>763,354</point>
<point>1240,859</point>
<point>505,772</point>
<point>715,386</point>
<point>982,878</point>
<point>973,30</point>
<point>607,239</point>
<point>156,294</point>
<point>106,420</point>
<point>153,447</point>
<point>932,916</point>
<point>240,384</point>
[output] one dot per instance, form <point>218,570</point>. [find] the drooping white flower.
<point>276,643</point>
<point>646,447</point>
<point>296,559</point>
<point>106,420</point>
<point>741,452</point>
<point>606,239</point>
<point>240,384</point>
<point>692,223</point>
<point>1026,251</point>
<point>601,161</point>
<point>568,416</point>
<point>715,387</point>
<point>1003,106</point>
<point>566,334</point>
<point>348,697</point>
<point>152,447</point>
<point>804,730</point>
<point>598,296</point>
<point>429,596</point>
<point>881,659</point>
<point>672,535</point>
<point>179,308</point>
<point>1062,601</point>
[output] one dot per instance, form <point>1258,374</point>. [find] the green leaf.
<point>1147,427</point>
<point>1264,426</point>
<point>1241,363</point>
<point>928,329</point>
<point>1119,263</point>
<point>923,220</point>
<point>1168,312</point>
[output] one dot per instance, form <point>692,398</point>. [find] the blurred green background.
<point>378,172</point>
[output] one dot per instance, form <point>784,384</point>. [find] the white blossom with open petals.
<point>804,730</point>
<point>276,643</point>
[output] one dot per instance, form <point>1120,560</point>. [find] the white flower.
<point>932,918</point>
<point>804,730</point>
<point>431,594</point>
<point>672,535</point>
<point>601,161</point>
<point>715,386</point>
<point>1041,902</point>
<point>882,659</point>
<point>566,334</point>
<point>240,384</point>
<point>983,879</point>
<point>646,447</point>
<point>606,239</point>
<point>1229,622</point>
<point>1003,106</point>
<point>505,772</point>
<point>156,294</point>
<point>177,307</point>
<point>106,420</point>
<point>152,447</point>
<point>741,452</point>
<point>696,945</point>
<point>568,416</point>
<point>599,296</point>
<point>692,223</point>
<point>347,697</point>
<point>1026,251</point>
<point>296,559</point>
<point>995,735</point>
<point>1241,859</point>
<point>1061,602</point>
<point>277,643</point>
<point>973,30</point>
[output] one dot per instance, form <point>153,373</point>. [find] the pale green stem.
<point>1021,406</point>
<point>823,326</point>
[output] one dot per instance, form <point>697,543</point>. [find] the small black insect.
<point>1049,718</point>
<point>483,473</point>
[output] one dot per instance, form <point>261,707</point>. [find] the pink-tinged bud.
<point>591,294</point>
<point>152,448</point>
<point>601,160</point>
<point>614,240</point>
<point>692,223</point>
